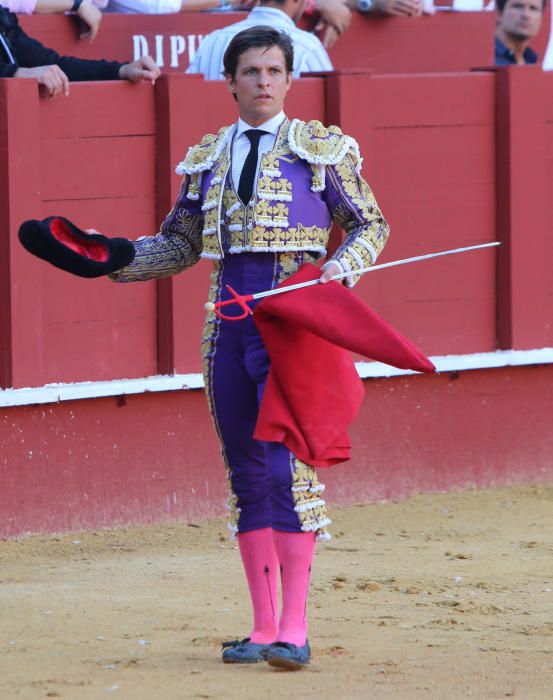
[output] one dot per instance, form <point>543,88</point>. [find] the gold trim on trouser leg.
<point>308,504</point>
<point>306,489</point>
<point>209,346</point>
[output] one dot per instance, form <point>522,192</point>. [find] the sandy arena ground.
<point>440,597</point>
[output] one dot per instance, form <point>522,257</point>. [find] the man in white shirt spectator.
<point>309,53</point>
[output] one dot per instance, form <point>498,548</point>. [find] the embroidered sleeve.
<point>176,247</point>
<point>354,208</point>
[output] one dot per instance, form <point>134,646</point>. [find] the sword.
<point>242,299</point>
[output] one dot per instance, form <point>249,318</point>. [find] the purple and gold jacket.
<point>308,180</point>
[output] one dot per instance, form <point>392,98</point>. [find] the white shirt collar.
<point>271,126</point>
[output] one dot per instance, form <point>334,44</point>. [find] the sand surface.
<point>439,597</point>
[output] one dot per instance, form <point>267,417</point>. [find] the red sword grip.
<point>240,299</point>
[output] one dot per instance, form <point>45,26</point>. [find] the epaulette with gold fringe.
<point>201,157</point>
<point>320,145</point>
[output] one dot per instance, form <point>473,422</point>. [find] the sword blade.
<point>373,268</point>
<point>417,258</point>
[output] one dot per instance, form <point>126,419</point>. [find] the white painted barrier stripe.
<point>54,393</point>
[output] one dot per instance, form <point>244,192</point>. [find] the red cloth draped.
<point>313,391</point>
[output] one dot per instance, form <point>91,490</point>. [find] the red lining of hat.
<point>93,250</point>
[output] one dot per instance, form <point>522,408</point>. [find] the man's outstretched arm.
<point>175,248</point>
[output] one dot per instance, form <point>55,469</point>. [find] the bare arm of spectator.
<point>158,7</point>
<point>335,19</point>
<point>87,11</point>
<point>403,8</point>
<point>411,8</point>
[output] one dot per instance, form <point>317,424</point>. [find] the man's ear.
<point>231,86</point>
<point>230,82</point>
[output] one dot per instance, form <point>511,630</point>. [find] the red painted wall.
<point>81,464</point>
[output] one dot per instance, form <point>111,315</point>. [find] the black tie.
<point>245,185</point>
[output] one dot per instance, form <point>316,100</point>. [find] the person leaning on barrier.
<point>518,23</point>
<point>86,10</point>
<point>21,56</point>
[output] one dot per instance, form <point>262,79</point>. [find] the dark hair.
<point>257,38</point>
<point>500,5</point>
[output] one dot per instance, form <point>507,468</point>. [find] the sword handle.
<point>239,299</point>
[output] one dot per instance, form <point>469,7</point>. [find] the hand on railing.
<point>52,78</point>
<point>143,69</point>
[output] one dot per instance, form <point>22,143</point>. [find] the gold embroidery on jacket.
<point>359,209</point>
<point>291,262</point>
<point>267,215</point>
<point>274,189</point>
<point>311,237</point>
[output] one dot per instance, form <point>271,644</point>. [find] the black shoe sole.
<point>287,664</point>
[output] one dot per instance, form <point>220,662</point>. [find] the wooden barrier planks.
<point>441,158</point>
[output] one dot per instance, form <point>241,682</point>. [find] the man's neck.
<point>254,123</point>
<point>517,45</point>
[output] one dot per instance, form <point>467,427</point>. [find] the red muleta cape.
<point>313,391</point>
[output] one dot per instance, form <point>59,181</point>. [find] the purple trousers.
<point>236,365</point>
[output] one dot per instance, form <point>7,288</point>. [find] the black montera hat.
<point>58,241</point>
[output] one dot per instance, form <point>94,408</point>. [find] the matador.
<point>259,199</point>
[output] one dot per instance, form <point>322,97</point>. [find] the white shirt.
<point>241,144</point>
<point>309,54</point>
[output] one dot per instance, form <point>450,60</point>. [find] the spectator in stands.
<point>518,23</point>
<point>309,53</point>
<point>86,10</point>
<point>24,57</point>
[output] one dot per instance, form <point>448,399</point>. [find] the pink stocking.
<point>295,552</point>
<point>259,558</point>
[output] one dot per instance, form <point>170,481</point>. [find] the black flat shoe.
<point>288,656</point>
<point>244,652</point>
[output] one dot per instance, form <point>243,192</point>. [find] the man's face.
<point>521,19</point>
<point>260,84</point>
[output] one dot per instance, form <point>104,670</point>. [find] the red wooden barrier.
<point>154,457</point>
<point>105,157</point>
<point>524,118</point>
<point>92,160</point>
<point>428,143</point>
<point>443,154</point>
<point>445,42</point>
